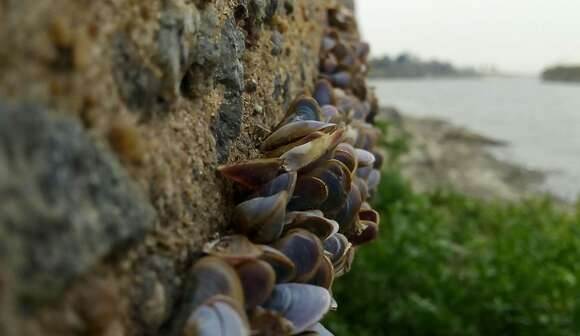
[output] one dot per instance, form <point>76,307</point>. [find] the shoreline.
<point>442,155</point>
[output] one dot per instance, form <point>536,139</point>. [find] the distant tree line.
<point>406,65</point>
<point>563,73</point>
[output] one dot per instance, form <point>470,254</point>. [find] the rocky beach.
<point>443,155</point>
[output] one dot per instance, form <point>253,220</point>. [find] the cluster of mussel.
<point>306,213</point>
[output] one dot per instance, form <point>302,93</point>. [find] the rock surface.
<point>114,117</point>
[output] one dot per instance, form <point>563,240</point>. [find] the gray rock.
<point>65,204</point>
<point>230,73</point>
<point>277,43</point>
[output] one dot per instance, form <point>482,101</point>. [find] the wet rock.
<point>230,73</point>
<point>66,203</point>
<point>277,43</point>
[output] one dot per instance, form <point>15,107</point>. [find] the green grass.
<point>449,264</point>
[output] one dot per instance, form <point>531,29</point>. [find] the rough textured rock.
<point>127,107</point>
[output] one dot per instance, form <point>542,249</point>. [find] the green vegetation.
<point>409,66</point>
<point>448,264</point>
<point>562,73</point>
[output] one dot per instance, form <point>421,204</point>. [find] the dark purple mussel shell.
<point>305,251</point>
<point>313,221</point>
<point>302,304</point>
<point>309,194</point>
<point>347,214</point>
<point>262,218</point>
<point>258,279</point>
<point>324,276</point>
<point>323,93</point>
<point>284,182</point>
<point>282,265</point>
<point>213,276</point>
<point>218,316</point>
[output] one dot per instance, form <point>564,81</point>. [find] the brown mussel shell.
<point>266,322</point>
<point>284,182</point>
<point>313,222</point>
<point>253,173</point>
<point>324,276</point>
<point>218,316</point>
<point>289,134</point>
<point>233,249</point>
<point>301,156</point>
<point>283,267</point>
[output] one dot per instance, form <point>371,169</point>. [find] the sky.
<point>519,36</point>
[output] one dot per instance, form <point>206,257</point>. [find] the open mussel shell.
<point>302,304</point>
<point>301,156</point>
<point>213,276</point>
<point>336,246</point>
<point>253,173</point>
<point>347,214</point>
<point>258,279</point>
<point>282,265</point>
<point>302,108</point>
<point>323,93</point>
<point>346,154</point>
<point>291,132</point>
<point>219,316</point>
<point>309,194</point>
<point>305,251</point>
<point>262,218</point>
<point>324,275</point>
<point>344,264</point>
<point>368,232</point>
<point>284,182</point>
<point>267,322</point>
<point>369,215</point>
<point>233,249</point>
<point>337,178</point>
<point>313,222</point>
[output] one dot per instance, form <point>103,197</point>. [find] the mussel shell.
<point>369,215</point>
<point>373,181</point>
<point>344,264</point>
<point>323,93</point>
<point>262,218</point>
<point>345,153</point>
<point>317,330</point>
<point>305,251</point>
<point>364,158</point>
<point>309,194</point>
<point>341,79</point>
<point>349,211</point>
<point>301,156</point>
<point>336,246</point>
<point>362,187</point>
<point>324,275</point>
<point>291,132</point>
<point>337,178</point>
<point>328,63</point>
<point>219,316</point>
<point>258,279</point>
<point>233,249</point>
<point>330,113</point>
<point>379,159</point>
<point>364,172</point>
<point>283,267</point>
<point>252,173</point>
<point>284,182</point>
<point>369,232</point>
<point>302,108</point>
<point>317,224</point>
<point>214,276</point>
<point>302,304</point>
<point>267,322</point>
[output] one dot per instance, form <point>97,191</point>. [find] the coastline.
<point>443,155</point>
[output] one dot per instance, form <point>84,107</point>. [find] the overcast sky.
<point>515,35</point>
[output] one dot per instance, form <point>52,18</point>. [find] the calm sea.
<point>541,121</point>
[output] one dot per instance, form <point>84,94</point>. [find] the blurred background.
<point>480,224</point>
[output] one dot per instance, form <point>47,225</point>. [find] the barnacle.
<point>307,209</point>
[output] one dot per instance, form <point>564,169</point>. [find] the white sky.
<point>514,35</point>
